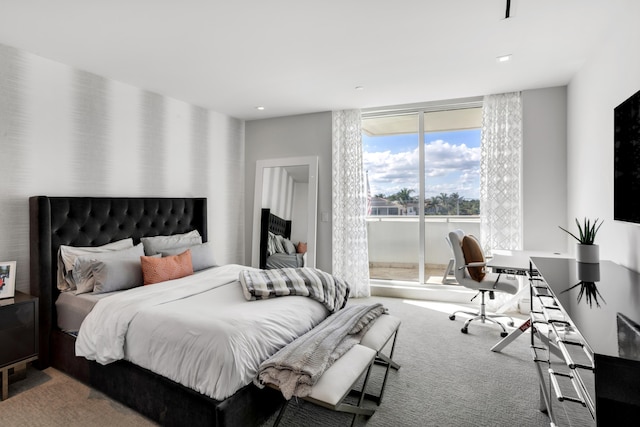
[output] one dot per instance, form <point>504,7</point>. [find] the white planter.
<point>589,254</point>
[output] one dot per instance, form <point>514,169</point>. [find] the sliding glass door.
<point>423,170</point>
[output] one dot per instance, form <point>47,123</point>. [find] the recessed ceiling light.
<point>260,107</point>
<point>504,58</point>
<point>359,87</point>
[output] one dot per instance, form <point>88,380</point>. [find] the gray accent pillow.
<point>67,256</point>
<point>201,255</point>
<point>116,275</point>
<point>83,265</point>
<point>289,247</point>
<point>156,244</point>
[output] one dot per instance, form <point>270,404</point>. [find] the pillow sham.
<point>116,275</point>
<point>156,270</point>
<point>157,244</point>
<point>83,266</point>
<point>280,244</point>
<point>272,245</point>
<point>201,255</point>
<point>67,256</point>
<point>289,247</point>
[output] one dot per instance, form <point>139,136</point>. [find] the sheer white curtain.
<point>501,172</point>
<point>349,200</point>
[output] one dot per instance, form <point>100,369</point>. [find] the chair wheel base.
<point>452,317</point>
<point>464,330</point>
<point>503,334</point>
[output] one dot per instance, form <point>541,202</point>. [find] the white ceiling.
<point>299,56</point>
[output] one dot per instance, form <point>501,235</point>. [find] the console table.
<point>595,328</point>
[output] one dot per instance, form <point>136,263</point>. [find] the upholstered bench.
<point>337,381</point>
<point>384,330</point>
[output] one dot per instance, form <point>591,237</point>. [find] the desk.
<point>518,263</point>
<point>608,334</point>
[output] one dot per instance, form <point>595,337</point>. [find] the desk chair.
<point>470,272</point>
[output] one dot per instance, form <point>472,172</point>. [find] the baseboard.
<point>399,289</point>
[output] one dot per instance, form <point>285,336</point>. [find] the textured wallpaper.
<point>67,132</point>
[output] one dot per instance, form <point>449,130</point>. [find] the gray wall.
<point>544,171</point>
<point>293,136</point>
<point>66,132</point>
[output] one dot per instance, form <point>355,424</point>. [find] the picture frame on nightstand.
<point>7,279</point>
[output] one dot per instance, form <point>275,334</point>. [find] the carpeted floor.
<point>446,379</point>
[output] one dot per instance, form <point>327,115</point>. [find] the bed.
<point>84,221</point>
<point>272,225</point>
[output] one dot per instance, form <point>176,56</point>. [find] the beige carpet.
<point>51,398</point>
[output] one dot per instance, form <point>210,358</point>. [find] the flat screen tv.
<point>626,179</point>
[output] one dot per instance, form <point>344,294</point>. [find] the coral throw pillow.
<point>302,248</point>
<point>155,270</point>
<point>473,253</point>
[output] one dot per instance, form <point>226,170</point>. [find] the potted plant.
<point>586,250</point>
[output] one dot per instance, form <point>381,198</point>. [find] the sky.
<point>452,163</point>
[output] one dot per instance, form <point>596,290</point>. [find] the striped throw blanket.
<point>308,282</point>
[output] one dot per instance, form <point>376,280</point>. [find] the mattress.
<point>72,309</point>
<point>199,331</point>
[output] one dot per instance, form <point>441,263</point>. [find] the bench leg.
<point>360,409</point>
<point>388,361</point>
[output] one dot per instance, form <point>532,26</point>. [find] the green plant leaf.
<point>586,231</point>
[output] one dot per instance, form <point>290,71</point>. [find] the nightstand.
<point>18,335</point>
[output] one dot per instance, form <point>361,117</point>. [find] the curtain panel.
<point>501,172</point>
<point>349,203</point>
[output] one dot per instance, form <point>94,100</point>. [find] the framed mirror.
<point>285,203</point>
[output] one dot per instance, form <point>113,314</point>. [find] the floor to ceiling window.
<point>423,172</point>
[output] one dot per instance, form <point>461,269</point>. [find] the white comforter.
<point>199,331</point>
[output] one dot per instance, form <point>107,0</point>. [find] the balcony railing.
<point>394,245</point>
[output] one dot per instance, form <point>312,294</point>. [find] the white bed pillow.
<point>201,255</point>
<point>275,244</point>
<point>156,244</point>
<point>67,256</point>
<point>83,266</point>
<point>272,244</point>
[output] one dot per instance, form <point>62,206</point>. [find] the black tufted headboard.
<point>274,224</point>
<point>94,221</point>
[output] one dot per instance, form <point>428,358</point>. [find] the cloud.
<point>450,168</point>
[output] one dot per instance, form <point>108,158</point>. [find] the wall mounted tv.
<point>626,180</point>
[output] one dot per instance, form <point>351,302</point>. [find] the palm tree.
<point>435,202</point>
<point>403,197</point>
<point>444,201</point>
<point>456,199</point>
